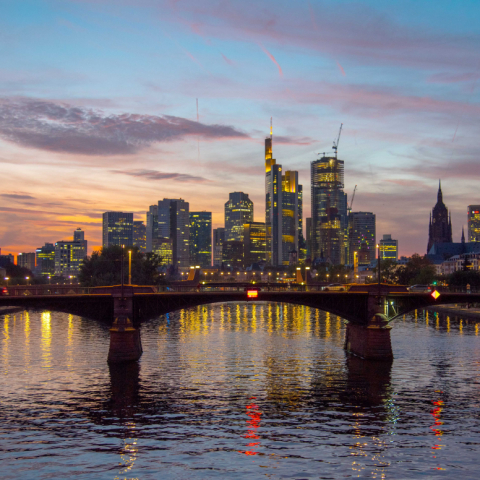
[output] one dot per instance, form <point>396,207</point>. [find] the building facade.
<point>361,234</point>
<point>201,239</point>
<point>218,239</point>
<point>440,226</point>
<point>140,235</point>
<point>26,260</point>
<point>45,257</point>
<point>117,229</point>
<point>151,226</point>
<point>473,223</point>
<point>254,243</point>
<point>174,223</point>
<point>238,211</point>
<point>69,255</point>
<point>329,210</point>
<point>388,248</point>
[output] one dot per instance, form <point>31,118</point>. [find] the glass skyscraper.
<point>201,239</point>
<point>361,232</point>
<point>117,229</point>
<point>238,212</point>
<point>474,223</point>
<point>329,210</point>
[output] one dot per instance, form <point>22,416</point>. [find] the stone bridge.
<point>368,309</point>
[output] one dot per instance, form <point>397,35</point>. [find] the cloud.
<point>156,175</point>
<point>230,62</point>
<point>15,196</point>
<point>293,140</point>
<point>60,127</point>
<point>272,58</point>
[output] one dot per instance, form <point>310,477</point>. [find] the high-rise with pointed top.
<point>440,227</point>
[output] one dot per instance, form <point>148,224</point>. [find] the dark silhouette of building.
<point>440,228</point>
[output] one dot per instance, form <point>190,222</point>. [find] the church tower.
<point>440,228</point>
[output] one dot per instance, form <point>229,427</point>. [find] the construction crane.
<point>335,143</point>
<point>349,207</point>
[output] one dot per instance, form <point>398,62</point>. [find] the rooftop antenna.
<point>198,139</point>
<point>335,143</point>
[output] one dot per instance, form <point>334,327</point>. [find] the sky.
<point>98,108</point>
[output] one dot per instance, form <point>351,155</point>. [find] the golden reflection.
<point>46,340</point>
<point>6,342</point>
<point>448,324</point>
<point>128,454</point>
<point>460,327</point>
<point>327,325</point>
<point>254,318</point>
<point>476,329</point>
<point>27,331</point>
<point>426,318</point>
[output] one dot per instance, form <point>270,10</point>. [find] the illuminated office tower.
<point>69,255</point>
<point>117,229</point>
<point>474,223</point>
<point>163,248</point>
<point>289,210</point>
<point>238,211</point>
<point>151,227</point>
<point>308,234</point>
<point>329,210</point>
<point>174,223</point>
<point>361,233</point>
<point>254,243</point>
<point>273,205</point>
<point>140,235</point>
<point>302,244</point>
<point>45,257</point>
<point>26,260</point>
<point>201,238</point>
<point>218,239</point>
<point>388,248</point>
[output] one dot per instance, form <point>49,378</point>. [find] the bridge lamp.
<point>129,267</point>
<point>27,279</point>
<point>7,279</point>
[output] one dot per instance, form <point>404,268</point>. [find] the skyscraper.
<point>281,209</point>
<point>302,244</point>
<point>329,210</point>
<point>440,227</point>
<point>117,229</point>
<point>361,233</point>
<point>45,257</point>
<point>474,223</point>
<point>218,240</point>
<point>174,223</point>
<point>152,226</point>
<point>140,235</point>
<point>238,211</point>
<point>254,243</point>
<point>201,238</point>
<point>69,255</point>
<point>388,248</point>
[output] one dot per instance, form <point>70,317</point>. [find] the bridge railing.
<point>23,290</point>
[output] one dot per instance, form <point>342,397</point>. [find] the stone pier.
<point>125,341</point>
<point>371,341</point>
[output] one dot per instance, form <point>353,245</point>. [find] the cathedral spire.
<point>439,195</point>
<point>463,235</point>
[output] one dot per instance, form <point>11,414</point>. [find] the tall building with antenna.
<point>329,209</point>
<point>281,210</point>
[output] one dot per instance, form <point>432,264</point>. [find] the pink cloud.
<point>272,58</point>
<point>230,62</point>
<point>341,69</point>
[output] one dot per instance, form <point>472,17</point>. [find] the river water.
<point>237,391</point>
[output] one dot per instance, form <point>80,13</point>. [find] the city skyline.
<point>403,85</point>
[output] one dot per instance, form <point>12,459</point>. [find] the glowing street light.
<point>7,279</point>
<point>27,279</point>
<point>129,267</point>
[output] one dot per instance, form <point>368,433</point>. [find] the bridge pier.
<point>371,341</point>
<point>125,341</point>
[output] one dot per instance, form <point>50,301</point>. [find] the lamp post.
<point>7,279</point>
<point>129,267</point>
<point>27,279</point>
<point>121,270</point>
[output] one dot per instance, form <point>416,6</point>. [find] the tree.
<point>104,267</point>
<point>461,278</point>
<point>417,270</point>
<point>388,271</point>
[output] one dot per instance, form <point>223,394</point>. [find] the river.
<point>238,390</point>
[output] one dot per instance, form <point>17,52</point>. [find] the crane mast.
<point>335,143</point>
<point>349,208</point>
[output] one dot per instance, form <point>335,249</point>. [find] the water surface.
<point>237,391</point>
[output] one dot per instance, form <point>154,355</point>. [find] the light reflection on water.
<point>238,391</point>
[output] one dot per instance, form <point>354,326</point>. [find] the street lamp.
<point>70,277</point>
<point>7,279</point>
<point>129,267</point>
<point>49,279</point>
<point>27,279</point>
